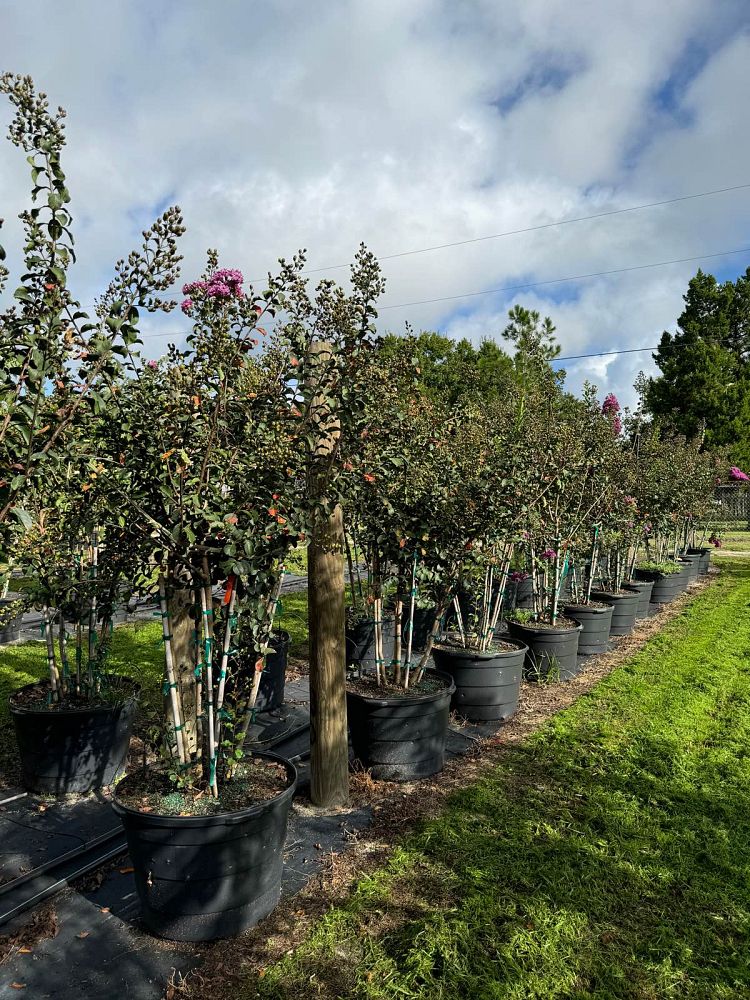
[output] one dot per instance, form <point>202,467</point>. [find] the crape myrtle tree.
<point>445,510</point>
<point>209,454</point>
<point>57,363</point>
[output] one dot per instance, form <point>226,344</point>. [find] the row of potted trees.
<point>494,535</point>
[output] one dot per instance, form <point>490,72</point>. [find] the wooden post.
<point>329,750</point>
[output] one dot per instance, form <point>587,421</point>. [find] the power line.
<point>572,277</point>
<point>534,229</point>
<point>605,354</point>
<point>536,284</point>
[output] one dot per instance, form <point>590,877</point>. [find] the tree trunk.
<point>182,622</point>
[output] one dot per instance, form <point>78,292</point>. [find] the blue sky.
<point>288,124</point>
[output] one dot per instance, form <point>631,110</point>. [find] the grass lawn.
<point>607,856</point>
<point>737,541</point>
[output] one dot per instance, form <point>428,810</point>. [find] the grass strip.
<point>604,857</point>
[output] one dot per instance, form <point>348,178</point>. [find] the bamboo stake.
<point>378,611</point>
<point>207,609</point>
<point>232,594</point>
<point>459,620</point>
<point>592,566</point>
<point>422,666</point>
<point>54,676</point>
<point>92,605</point>
<point>412,602</point>
<point>62,642</point>
<point>171,680</point>
<point>556,578</point>
<point>260,664</point>
<point>397,622</point>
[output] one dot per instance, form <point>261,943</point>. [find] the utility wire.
<point>538,228</point>
<point>572,277</point>
<point>535,284</point>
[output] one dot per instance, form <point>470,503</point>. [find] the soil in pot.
<point>77,745</point>
<point>624,608</point>
<point>10,618</point>
<point>488,684</point>
<point>552,649</point>
<point>202,870</point>
<point>596,620</point>
<point>400,735</point>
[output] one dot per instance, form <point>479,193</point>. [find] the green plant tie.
<point>167,687</point>
<point>198,672</point>
<point>233,620</point>
<point>224,714</point>
<point>178,728</point>
<point>222,675</point>
<point>212,770</point>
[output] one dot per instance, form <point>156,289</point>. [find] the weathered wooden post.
<point>329,753</point>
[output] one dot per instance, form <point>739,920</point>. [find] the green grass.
<point>737,541</point>
<point>605,857</point>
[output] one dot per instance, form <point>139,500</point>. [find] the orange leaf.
<point>18,986</point>
<point>126,871</point>
<point>83,934</point>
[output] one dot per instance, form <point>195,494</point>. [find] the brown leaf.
<point>83,934</point>
<point>126,871</point>
<point>104,909</point>
<point>18,986</point>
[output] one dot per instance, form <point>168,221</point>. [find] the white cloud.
<point>320,125</point>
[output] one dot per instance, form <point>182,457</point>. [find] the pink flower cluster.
<point>226,283</point>
<point>715,540</point>
<point>738,475</point>
<point>518,576</point>
<point>549,554</point>
<point>611,409</point>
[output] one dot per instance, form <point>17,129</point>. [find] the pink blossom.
<point>611,404</point>
<point>152,364</point>
<point>549,554</point>
<point>186,306</point>
<point>518,576</point>
<point>738,475</point>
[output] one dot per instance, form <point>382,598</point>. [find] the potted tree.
<point>59,368</point>
<point>218,440</point>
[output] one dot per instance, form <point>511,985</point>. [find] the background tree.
<point>704,388</point>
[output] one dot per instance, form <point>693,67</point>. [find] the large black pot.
<point>273,678</point>
<point>360,641</point>
<point>424,619</point>
<point>644,588</point>
<point>75,749</point>
<point>10,623</point>
<point>401,738</point>
<point>520,594</point>
<point>705,558</point>
<point>488,685</point>
<point>667,586</point>
<point>595,625</point>
<point>694,560</point>
<point>552,652</point>
<point>624,609</point>
<point>205,877</point>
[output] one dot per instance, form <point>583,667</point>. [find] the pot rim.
<point>218,819</point>
<point>546,629</point>
<point>62,713</point>
<point>386,701</point>
<point>462,653</point>
<point>586,608</point>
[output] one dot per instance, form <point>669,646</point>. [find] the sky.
<point>289,124</point>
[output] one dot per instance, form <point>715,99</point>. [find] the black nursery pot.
<point>595,625</point>
<point>401,738</point>
<point>644,588</point>
<point>360,641</point>
<point>488,685</point>
<point>666,586</point>
<point>205,877</point>
<point>694,559</point>
<point>705,558</point>
<point>273,678</point>
<point>72,750</point>
<point>550,650</point>
<point>10,630</point>
<point>520,594</point>
<point>624,609</point>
